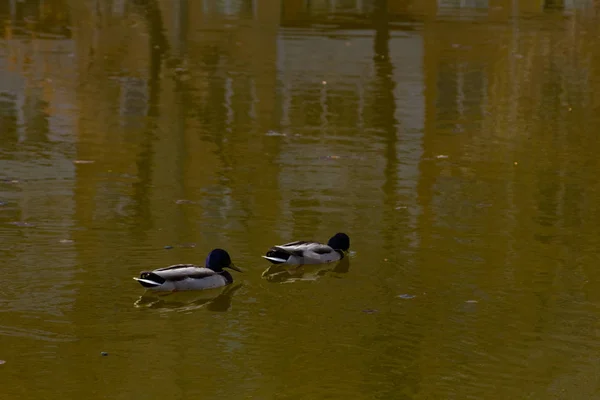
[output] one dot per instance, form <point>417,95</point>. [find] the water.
<point>456,146</point>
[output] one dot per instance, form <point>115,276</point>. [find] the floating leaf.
<point>407,296</point>
<point>22,224</point>
<point>275,133</point>
<point>184,201</point>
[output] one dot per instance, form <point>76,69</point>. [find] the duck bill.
<point>232,266</point>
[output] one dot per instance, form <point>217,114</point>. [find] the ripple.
<point>36,334</point>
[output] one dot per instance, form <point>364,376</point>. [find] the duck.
<point>182,277</point>
<point>310,252</point>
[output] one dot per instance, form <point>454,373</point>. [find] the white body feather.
<point>305,253</point>
<point>186,277</point>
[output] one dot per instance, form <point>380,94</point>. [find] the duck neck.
<point>227,276</point>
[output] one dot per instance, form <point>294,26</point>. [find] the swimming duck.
<point>304,252</point>
<point>189,276</point>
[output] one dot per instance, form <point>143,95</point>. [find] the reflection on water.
<point>454,140</point>
<point>213,300</point>
<point>281,273</point>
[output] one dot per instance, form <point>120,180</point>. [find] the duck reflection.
<point>283,273</point>
<point>213,299</point>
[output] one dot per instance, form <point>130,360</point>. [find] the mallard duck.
<point>189,276</point>
<point>303,252</point>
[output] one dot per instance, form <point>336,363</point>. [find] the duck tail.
<point>275,260</point>
<point>150,280</point>
<point>277,255</point>
<point>147,283</point>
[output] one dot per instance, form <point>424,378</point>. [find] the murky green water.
<point>457,147</point>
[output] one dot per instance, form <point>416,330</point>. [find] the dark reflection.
<point>159,47</point>
<point>35,113</point>
<point>349,14</point>
<point>43,17</point>
<point>8,121</point>
<point>382,30</point>
<point>181,27</point>
<point>548,197</point>
<point>554,4</point>
<point>187,301</point>
<point>210,105</point>
<point>461,94</point>
<point>143,186</point>
<point>384,119</point>
<point>280,273</point>
<point>343,266</point>
<point>148,93</point>
<point>384,108</point>
<point>549,180</point>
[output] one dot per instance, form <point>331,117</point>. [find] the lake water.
<point>456,145</point>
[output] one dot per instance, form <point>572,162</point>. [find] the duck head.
<point>339,241</point>
<point>219,259</point>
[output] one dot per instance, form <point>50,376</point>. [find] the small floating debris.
<point>187,245</point>
<point>168,247</point>
<point>2,203</point>
<point>441,156</point>
<point>10,181</point>
<point>103,353</point>
<point>275,133</point>
<point>184,201</point>
<point>471,301</point>
<point>401,208</point>
<point>83,161</point>
<point>22,224</point>
<point>66,241</point>
<point>407,296</point>
<point>2,362</point>
<point>370,311</point>
<point>324,83</point>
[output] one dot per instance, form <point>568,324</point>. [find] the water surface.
<point>456,146</point>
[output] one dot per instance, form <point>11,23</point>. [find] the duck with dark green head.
<point>181,277</point>
<point>310,252</point>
